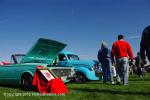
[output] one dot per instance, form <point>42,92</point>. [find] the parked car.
<point>85,69</point>
<point>21,69</point>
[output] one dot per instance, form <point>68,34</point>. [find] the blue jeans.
<point>122,70</point>
<point>107,70</point>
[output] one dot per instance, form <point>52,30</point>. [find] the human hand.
<point>144,62</point>
<point>130,62</point>
<point>113,64</point>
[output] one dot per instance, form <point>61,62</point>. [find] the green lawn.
<point>138,89</point>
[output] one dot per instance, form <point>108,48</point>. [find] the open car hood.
<point>43,51</point>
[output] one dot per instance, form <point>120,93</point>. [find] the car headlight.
<point>96,67</point>
<point>91,68</point>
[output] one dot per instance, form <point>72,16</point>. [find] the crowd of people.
<point>121,57</point>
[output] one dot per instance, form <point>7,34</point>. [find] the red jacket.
<point>121,49</point>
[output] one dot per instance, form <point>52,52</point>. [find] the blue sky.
<point>81,24</point>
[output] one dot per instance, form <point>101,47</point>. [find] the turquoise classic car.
<point>22,67</point>
<point>85,69</point>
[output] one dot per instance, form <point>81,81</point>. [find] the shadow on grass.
<point>11,86</point>
<point>91,83</point>
<point>34,89</point>
<point>111,91</point>
<point>140,79</point>
<point>88,82</point>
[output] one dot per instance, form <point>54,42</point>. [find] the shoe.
<point>104,82</point>
<point>118,83</point>
<point>113,83</point>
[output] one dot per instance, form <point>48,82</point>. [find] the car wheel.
<point>80,78</point>
<point>27,82</point>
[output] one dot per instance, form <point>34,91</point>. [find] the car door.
<point>7,74</point>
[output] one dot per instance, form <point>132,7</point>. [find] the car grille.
<point>61,72</point>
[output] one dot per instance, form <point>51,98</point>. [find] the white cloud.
<point>133,37</point>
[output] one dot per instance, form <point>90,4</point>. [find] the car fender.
<point>25,72</point>
<point>90,74</point>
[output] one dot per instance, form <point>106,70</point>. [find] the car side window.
<point>62,57</point>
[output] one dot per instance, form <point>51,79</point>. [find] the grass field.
<point>138,89</point>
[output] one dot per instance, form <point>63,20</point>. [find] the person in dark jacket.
<point>145,44</point>
<point>139,65</point>
<point>104,57</point>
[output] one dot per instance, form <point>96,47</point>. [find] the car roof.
<point>67,52</point>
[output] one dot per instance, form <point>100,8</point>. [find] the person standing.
<point>104,57</point>
<point>140,66</point>
<point>121,51</point>
<point>145,44</point>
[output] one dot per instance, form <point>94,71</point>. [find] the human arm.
<point>113,54</point>
<point>130,52</point>
<point>143,47</point>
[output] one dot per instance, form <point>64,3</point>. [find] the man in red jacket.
<point>122,51</point>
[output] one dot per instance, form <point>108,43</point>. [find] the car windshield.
<point>19,58</point>
<point>72,57</point>
<point>16,58</point>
